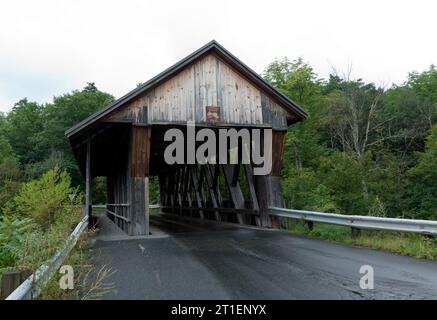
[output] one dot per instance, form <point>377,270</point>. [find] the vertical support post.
<point>139,164</point>
<point>268,188</point>
<point>88,201</point>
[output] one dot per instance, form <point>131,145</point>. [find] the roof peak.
<point>224,54</point>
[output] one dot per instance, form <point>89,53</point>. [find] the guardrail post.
<point>11,281</point>
<point>310,224</point>
<point>355,232</point>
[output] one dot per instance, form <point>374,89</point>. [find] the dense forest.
<point>364,149</point>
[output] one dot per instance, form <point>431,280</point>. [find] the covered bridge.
<point>212,89</point>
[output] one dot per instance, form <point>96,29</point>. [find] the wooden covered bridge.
<point>125,143</point>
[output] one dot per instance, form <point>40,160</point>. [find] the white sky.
<point>49,48</point>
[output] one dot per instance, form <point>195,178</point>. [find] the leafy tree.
<point>66,111</point>
<point>424,83</point>
<point>10,172</point>
<point>378,208</point>
<point>352,153</point>
<point>55,159</point>
<point>24,123</point>
<point>408,118</point>
<point>90,87</point>
<point>352,117</point>
<point>99,190</point>
<point>294,78</point>
<point>424,179</point>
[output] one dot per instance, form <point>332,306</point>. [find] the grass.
<point>90,283</point>
<point>409,244</point>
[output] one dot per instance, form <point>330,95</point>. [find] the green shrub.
<point>13,237</point>
<point>43,199</point>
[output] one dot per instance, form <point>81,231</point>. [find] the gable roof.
<point>221,52</point>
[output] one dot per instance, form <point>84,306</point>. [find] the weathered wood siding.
<point>206,82</point>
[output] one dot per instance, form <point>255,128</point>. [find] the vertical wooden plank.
<point>211,62</point>
<point>192,92</point>
<point>258,108</point>
<point>140,151</point>
<point>219,88</point>
<point>138,219</point>
<point>146,206</point>
<point>278,144</point>
<point>128,187</point>
<point>200,92</point>
<point>88,202</point>
<point>10,282</point>
<point>109,194</point>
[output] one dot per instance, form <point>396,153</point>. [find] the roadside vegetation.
<point>38,220</point>
<point>36,223</point>
<point>90,282</point>
<point>365,149</point>
<point>407,244</point>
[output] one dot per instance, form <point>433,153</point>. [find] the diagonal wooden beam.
<point>195,182</point>
<point>235,192</point>
<point>208,178</point>
<point>215,172</point>
<point>236,174</point>
<point>251,184</point>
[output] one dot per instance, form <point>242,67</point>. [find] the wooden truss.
<point>211,191</point>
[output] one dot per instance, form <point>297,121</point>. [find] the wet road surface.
<point>190,260</point>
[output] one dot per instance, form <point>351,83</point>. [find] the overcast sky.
<point>48,48</point>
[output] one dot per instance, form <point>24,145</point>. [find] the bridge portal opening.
<point>210,89</point>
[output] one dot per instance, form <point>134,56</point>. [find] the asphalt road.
<point>210,261</point>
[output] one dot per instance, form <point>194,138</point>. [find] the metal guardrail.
<point>426,227</point>
<point>103,206</point>
<point>33,285</point>
<point>31,288</point>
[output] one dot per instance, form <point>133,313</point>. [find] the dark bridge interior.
<point>221,192</point>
